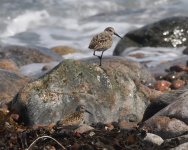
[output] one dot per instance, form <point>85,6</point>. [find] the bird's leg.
<point>100,57</point>
<point>96,55</point>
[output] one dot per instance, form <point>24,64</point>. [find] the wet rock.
<point>164,67</point>
<point>134,70</point>
<point>178,68</point>
<point>172,76</point>
<point>63,50</point>
<point>10,83</point>
<point>137,55</point>
<point>175,142</point>
<point>109,127</point>
<point>162,85</point>
<point>153,139</point>
<point>108,92</point>
<point>152,94</point>
<point>172,120</point>
<point>35,70</point>
<point>161,102</point>
<point>170,32</point>
<point>185,51</point>
<point>8,64</point>
<point>22,55</point>
<point>183,146</point>
<point>165,127</point>
<point>178,84</point>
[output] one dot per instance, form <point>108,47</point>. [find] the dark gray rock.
<point>172,120</point>
<point>108,92</point>
<point>185,51</point>
<point>161,69</point>
<point>176,142</point>
<point>170,32</point>
<point>161,102</point>
<point>183,146</point>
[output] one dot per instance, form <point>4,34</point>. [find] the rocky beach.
<point>133,106</point>
<point>54,94</point>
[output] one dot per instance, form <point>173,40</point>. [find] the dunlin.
<point>77,118</point>
<point>103,41</point>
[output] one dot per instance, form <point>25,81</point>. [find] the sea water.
<point>72,23</point>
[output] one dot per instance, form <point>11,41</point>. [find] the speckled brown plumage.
<point>102,41</point>
<point>76,118</point>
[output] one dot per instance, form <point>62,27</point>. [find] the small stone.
<point>15,117</point>
<point>127,125</point>
<point>46,67</point>
<point>49,147</point>
<point>92,133</point>
<point>178,68</point>
<point>154,139</point>
<point>109,127</point>
<point>162,85</point>
<point>178,84</point>
<point>83,128</point>
<point>137,55</point>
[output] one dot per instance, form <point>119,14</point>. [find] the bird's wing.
<point>100,41</point>
<point>71,118</point>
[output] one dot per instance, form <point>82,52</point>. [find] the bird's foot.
<point>99,57</point>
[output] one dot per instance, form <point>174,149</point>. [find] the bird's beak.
<point>117,35</point>
<point>88,112</point>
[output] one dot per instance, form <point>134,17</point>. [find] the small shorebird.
<point>102,41</point>
<point>77,118</point>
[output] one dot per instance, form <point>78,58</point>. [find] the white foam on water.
<point>25,21</point>
<point>77,55</point>
<point>153,56</point>
<point>35,68</point>
<point>75,22</point>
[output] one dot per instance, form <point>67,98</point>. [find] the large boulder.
<point>170,32</point>
<point>108,92</point>
<point>172,120</point>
